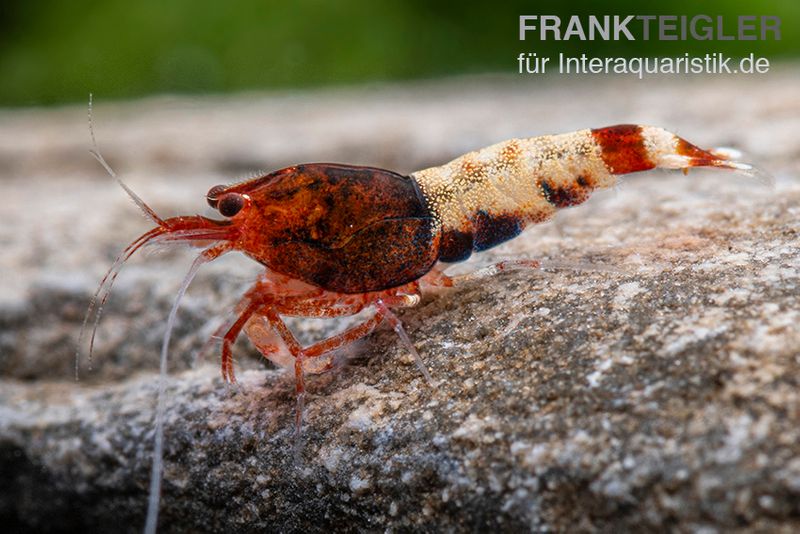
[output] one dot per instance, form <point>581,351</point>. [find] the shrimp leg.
<point>230,336</point>
<point>266,340</point>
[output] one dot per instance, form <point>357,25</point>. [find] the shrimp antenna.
<point>154,494</point>
<point>95,152</point>
<point>108,280</point>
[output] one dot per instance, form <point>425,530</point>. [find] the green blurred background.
<point>58,51</point>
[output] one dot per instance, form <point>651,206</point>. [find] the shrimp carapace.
<point>324,224</point>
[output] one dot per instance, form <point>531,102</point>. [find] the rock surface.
<point>647,377</point>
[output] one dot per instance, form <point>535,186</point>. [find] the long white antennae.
<point>158,448</point>
<point>95,152</point>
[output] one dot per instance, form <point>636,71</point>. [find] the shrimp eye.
<point>230,204</point>
<point>213,194</point>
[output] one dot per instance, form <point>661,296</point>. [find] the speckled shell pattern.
<point>486,197</point>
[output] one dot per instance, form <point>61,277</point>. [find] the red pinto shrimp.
<point>338,239</point>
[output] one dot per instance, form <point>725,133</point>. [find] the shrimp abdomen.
<point>489,196</point>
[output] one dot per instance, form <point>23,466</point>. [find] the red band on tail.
<point>622,148</point>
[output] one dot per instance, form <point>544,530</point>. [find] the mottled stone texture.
<point>647,378</point>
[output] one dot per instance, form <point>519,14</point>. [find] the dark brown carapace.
<point>322,224</point>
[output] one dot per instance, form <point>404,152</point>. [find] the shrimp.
<point>338,239</point>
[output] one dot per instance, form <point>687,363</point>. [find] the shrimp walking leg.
<point>262,333</point>
<point>274,318</point>
<point>266,340</point>
<point>230,336</point>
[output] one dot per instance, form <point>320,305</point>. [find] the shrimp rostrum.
<point>337,239</point>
